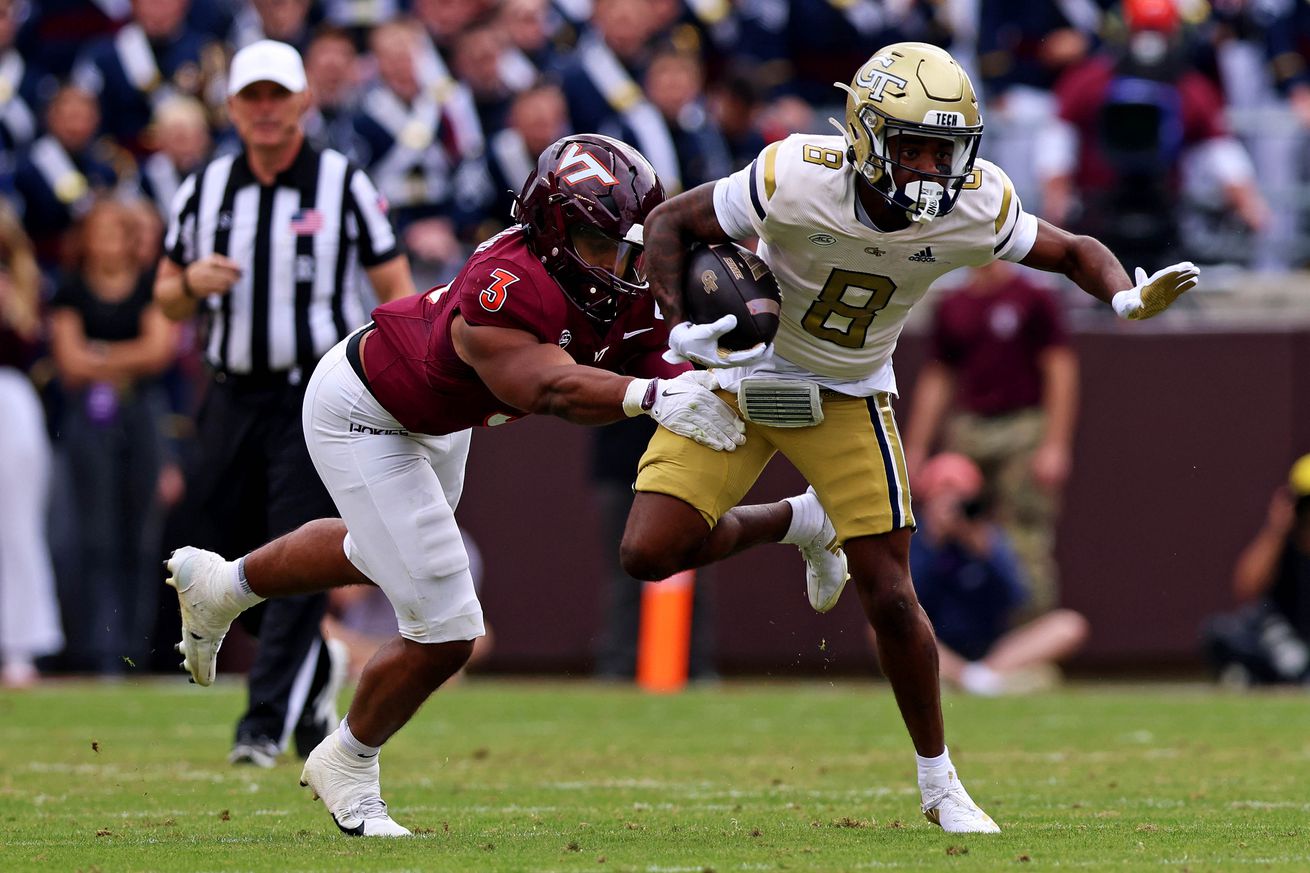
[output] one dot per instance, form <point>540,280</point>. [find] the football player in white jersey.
<point>855,228</point>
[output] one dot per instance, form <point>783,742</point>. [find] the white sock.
<point>18,660</point>
<point>935,770</point>
<point>806,519</point>
<point>242,596</point>
<point>17,666</point>
<point>980,679</point>
<point>354,746</point>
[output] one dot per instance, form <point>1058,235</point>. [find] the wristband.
<point>640,396</point>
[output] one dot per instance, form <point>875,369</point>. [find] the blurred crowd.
<point>1171,129</point>
<point>1142,121</point>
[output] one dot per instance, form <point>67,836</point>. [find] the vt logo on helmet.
<point>585,207</point>
<point>912,93</point>
<point>588,167</point>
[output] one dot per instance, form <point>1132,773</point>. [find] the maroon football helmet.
<point>585,206</point>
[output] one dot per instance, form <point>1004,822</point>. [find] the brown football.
<point>726,279</point>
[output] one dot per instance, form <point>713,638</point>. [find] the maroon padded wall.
<point>1182,437</point>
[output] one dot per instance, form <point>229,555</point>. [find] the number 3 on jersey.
<point>497,292</point>
<point>846,307</point>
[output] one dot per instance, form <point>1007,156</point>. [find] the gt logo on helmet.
<point>588,167</point>
<point>877,81</point>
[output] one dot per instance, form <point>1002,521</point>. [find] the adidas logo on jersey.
<point>923,256</point>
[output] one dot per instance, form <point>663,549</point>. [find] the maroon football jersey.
<point>412,366</point>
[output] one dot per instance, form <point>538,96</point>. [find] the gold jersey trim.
<point>770,170</point>
<point>1005,205</point>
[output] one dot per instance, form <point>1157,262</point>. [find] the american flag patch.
<point>306,222</point>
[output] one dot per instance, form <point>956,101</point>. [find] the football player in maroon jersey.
<point>552,316</point>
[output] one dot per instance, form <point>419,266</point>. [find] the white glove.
<point>687,406</point>
<point>1153,294</point>
<point>699,343</point>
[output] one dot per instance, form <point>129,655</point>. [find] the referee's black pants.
<point>251,480</point>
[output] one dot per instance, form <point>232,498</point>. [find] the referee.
<point>267,243</point>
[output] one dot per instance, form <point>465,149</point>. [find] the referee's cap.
<point>267,61</point>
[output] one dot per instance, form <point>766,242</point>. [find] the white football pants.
<point>397,494</point>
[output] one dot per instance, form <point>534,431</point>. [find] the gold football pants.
<point>853,459</point>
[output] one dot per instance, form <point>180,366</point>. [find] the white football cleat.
<point>949,806</point>
<point>350,789</point>
<point>203,582</point>
<point>825,563</point>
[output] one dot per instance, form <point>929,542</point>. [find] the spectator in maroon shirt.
<point>1001,366</point>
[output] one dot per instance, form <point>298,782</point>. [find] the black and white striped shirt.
<point>299,243</point>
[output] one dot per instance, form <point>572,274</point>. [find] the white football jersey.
<point>847,288</point>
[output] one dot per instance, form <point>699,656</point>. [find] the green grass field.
<point>497,775</point>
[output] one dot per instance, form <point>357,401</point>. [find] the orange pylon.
<point>664,642</point>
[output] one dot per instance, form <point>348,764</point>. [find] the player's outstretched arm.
<point>1096,270</point>
<point>541,378</point>
<point>1085,260</point>
<point>670,231</point>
